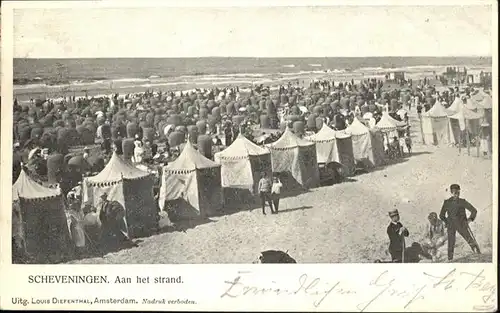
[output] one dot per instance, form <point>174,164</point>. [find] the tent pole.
<point>460,142</point>
<point>467,138</point>
<point>421,128</point>
<point>478,144</point>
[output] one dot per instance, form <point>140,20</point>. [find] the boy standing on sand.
<point>275,193</point>
<point>408,142</point>
<point>396,232</point>
<point>265,186</point>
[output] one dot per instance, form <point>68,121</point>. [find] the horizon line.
<point>257,57</point>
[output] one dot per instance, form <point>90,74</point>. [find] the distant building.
<point>396,76</point>
<point>486,79</point>
<point>454,75</point>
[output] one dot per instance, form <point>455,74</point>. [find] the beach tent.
<point>464,120</point>
<point>368,145</point>
<point>435,125</point>
<point>485,102</point>
<point>295,158</point>
<point>471,104</point>
<point>455,106</point>
<point>387,125</point>
<point>191,185</point>
<point>129,186</point>
<point>241,165</point>
<point>334,146</point>
<point>41,220</point>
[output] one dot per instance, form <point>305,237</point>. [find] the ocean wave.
<point>245,75</point>
<point>289,65</point>
<point>29,86</point>
<point>130,80</point>
<point>162,84</point>
<point>336,71</point>
<point>315,65</point>
<point>231,82</point>
<point>370,69</point>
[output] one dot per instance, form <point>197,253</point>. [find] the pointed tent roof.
<point>241,148</point>
<point>437,110</point>
<point>485,103</point>
<point>455,106</point>
<point>341,134</point>
<point>395,121</point>
<point>25,187</point>
<point>385,124</point>
<point>115,170</point>
<point>190,160</point>
<point>357,128</point>
<point>324,134</point>
<point>466,114</point>
<point>471,104</point>
<point>289,141</point>
<point>478,95</point>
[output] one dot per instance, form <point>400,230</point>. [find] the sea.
<point>63,77</point>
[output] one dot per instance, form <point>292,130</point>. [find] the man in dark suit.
<point>396,232</point>
<point>111,215</point>
<point>455,218</point>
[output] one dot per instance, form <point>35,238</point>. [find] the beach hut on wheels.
<point>296,161</point>
<point>241,165</point>
<point>367,145</point>
<point>191,185</point>
<point>435,125</point>
<point>334,146</point>
<point>40,229</point>
<point>129,186</point>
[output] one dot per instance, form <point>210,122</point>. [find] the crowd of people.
<point>441,229</point>
<point>149,129</point>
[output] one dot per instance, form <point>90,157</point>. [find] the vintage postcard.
<point>155,155</point>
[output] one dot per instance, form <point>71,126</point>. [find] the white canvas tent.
<point>242,162</point>
<point>387,125</point>
<point>471,104</point>
<point>334,146</point>
<point>129,186</point>
<point>368,146</point>
<point>191,185</point>
<point>455,106</point>
<point>296,157</point>
<point>464,120</point>
<point>40,219</point>
<point>435,125</point>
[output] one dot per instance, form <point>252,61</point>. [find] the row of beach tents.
<point>193,185</point>
<point>442,126</point>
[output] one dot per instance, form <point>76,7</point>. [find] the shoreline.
<point>108,88</point>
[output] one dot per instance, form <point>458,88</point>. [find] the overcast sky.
<point>254,32</point>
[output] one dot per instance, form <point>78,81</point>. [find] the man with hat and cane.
<point>396,232</point>
<point>455,218</point>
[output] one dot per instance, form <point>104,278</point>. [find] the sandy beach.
<point>342,223</point>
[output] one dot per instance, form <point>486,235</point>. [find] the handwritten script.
<point>384,289</point>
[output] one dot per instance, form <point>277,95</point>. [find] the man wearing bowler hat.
<point>396,232</point>
<point>454,216</point>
